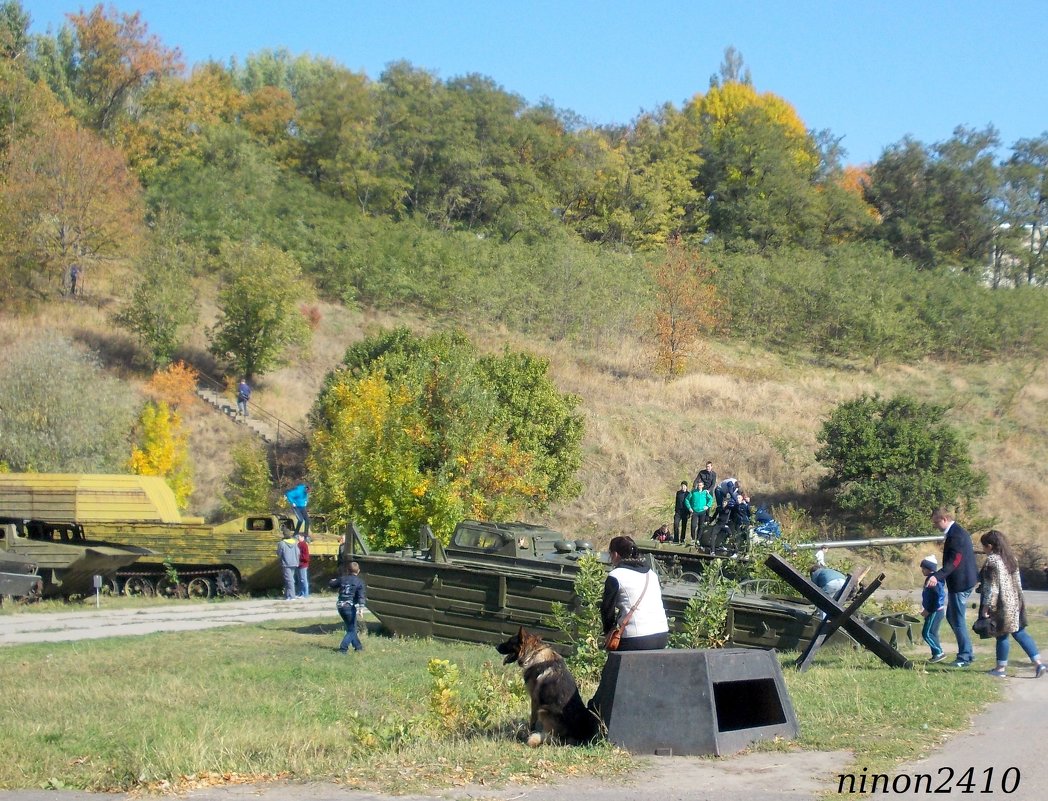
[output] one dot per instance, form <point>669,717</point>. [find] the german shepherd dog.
<point>556,705</point>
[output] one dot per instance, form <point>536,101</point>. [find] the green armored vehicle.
<point>18,577</point>
<point>66,559</point>
<point>491,579</point>
<point>176,555</point>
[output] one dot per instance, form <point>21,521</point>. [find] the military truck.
<point>186,556</point>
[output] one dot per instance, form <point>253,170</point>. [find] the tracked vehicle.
<point>67,560</point>
<point>18,577</point>
<point>178,555</point>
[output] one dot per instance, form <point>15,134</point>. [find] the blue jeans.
<point>956,610</point>
<point>930,632</point>
<point>302,518</point>
<point>1022,636</point>
<point>303,582</point>
<point>349,618</point>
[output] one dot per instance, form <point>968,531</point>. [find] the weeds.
<point>582,624</point>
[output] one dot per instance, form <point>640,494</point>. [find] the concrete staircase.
<point>263,429</point>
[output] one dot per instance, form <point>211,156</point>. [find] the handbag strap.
<point>629,614</point>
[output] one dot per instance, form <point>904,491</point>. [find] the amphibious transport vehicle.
<point>176,555</point>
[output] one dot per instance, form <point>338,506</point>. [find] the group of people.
<point>293,552</point>
<point>293,548</point>
<point>709,515</point>
<point>948,587</point>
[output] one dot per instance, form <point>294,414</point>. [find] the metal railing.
<point>281,428</point>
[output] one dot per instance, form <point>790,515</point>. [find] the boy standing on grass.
<point>933,609</point>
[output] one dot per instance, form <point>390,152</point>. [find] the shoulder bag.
<point>611,643</point>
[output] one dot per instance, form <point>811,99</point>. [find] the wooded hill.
<point>455,200</point>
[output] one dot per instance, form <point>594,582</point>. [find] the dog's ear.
<point>522,634</point>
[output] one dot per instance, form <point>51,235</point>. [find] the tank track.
<point>194,581</point>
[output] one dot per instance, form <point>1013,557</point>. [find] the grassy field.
<point>274,701</point>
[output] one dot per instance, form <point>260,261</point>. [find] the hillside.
<point>754,413</point>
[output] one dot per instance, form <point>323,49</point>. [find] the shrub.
<point>705,622</point>
<point>248,488</point>
<point>59,412</point>
<point>582,624</point>
<point>892,461</point>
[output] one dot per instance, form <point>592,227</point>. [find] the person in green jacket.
<point>698,502</point>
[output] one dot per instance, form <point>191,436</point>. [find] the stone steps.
<point>224,405</point>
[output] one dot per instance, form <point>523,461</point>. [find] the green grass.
<point>254,703</point>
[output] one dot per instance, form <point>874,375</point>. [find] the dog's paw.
<point>535,739</point>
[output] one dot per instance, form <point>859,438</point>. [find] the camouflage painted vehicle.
<point>67,560</point>
<point>691,562</point>
<point>488,581</point>
<point>18,577</point>
<point>177,555</point>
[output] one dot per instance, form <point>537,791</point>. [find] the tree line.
<point>458,197</point>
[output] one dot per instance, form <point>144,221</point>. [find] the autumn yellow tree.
<point>163,450</point>
<point>687,305</point>
<point>68,198</point>
<point>115,59</point>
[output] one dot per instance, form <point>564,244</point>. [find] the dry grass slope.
<point>754,414</point>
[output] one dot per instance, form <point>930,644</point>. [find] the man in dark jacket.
<point>681,514</point>
<point>351,600</point>
<point>959,573</point>
<point>707,478</point>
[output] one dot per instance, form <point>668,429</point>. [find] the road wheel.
<point>167,588</point>
<point>199,587</point>
<point>139,585</point>
<point>226,583</point>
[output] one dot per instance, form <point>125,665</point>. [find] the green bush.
<point>60,412</point>
<point>417,430</point>
<point>892,461</point>
<point>582,624</point>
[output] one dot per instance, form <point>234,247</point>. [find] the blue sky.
<point>871,71</point>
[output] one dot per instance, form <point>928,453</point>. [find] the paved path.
<point>94,623</point>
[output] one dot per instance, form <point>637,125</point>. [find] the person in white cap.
<point>933,609</point>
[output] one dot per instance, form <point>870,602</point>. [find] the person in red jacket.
<point>303,566</point>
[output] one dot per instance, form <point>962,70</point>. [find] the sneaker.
<point>959,664</point>
<point>938,658</point>
<point>1041,670</point>
<point>998,673</point>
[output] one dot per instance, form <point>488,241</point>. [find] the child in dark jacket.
<point>933,609</point>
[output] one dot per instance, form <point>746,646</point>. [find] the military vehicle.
<point>18,577</point>
<point>179,555</point>
<point>488,581</point>
<point>690,561</point>
<point>67,560</point>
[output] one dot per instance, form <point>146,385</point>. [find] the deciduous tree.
<point>162,303</point>
<point>416,430</point>
<point>687,305</point>
<point>115,58</point>
<point>68,198</point>
<point>259,321</point>
<point>162,449</point>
